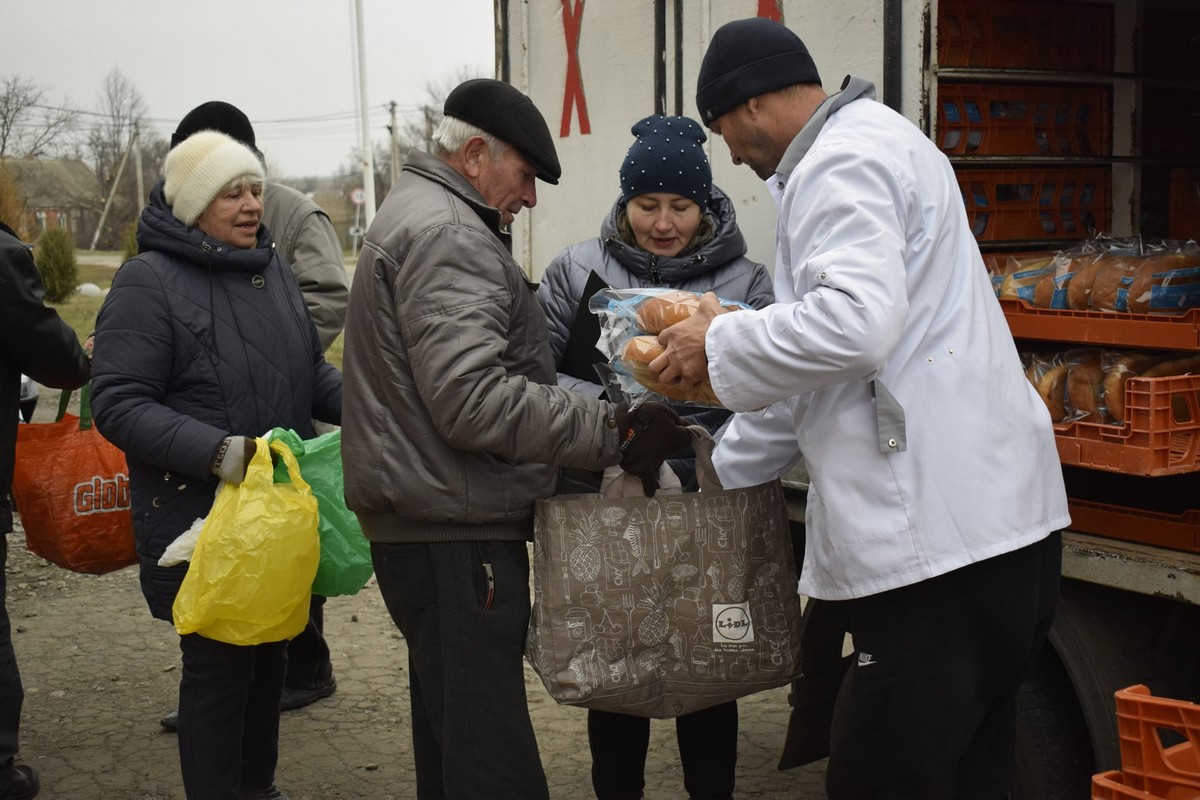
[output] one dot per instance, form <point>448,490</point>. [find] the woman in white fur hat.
<point>204,343</point>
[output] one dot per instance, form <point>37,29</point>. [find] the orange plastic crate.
<point>1175,531</point>
<point>1035,203</point>
<point>1023,120</point>
<point>1160,434</point>
<point>1160,331</point>
<point>1172,773</point>
<point>1029,34</point>
<point>1111,786</point>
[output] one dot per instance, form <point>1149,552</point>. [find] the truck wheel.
<point>1053,750</point>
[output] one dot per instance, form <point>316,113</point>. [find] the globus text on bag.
<point>100,495</point>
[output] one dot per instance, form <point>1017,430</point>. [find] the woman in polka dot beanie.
<point>671,228</point>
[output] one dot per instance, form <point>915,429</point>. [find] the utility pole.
<point>113,190</point>
<point>137,165</point>
<point>368,158</point>
<point>395,167</point>
<point>428,128</point>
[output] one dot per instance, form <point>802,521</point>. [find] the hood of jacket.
<point>726,244</point>
<point>160,230</point>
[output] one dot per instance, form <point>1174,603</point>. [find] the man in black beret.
<point>931,525</point>
<point>453,427</point>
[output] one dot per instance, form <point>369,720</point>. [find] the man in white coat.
<point>936,494</point>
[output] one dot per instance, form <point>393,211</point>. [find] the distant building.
<point>59,193</point>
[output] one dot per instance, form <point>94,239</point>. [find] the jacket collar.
<point>160,230</point>
<point>852,89</point>
<point>435,169</point>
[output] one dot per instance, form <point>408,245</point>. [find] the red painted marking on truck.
<point>771,9</point>
<point>573,94</point>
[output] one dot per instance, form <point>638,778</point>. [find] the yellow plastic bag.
<point>253,568</point>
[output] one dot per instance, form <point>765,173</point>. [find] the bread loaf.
<point>636,356</point>
<point>1150,273</point>
<point>1079,287</point>
<point>1051,382</point>
<point>1085,379</point>
<point>1022,274</point>
<point>1173,365</point>
<point>660,311</point>
<point>1119,369</point>
<point>1114,273</point>
<point>1043,291</point>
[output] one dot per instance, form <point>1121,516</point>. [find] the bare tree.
<point>29,126</point>
<point>120,112</point>
<point>420,124</point>
<point>413,133</point>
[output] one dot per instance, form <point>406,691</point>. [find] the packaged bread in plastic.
<point>630,321</point>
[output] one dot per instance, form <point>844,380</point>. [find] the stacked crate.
<point>1150,769</point>
<point>1025,114</point>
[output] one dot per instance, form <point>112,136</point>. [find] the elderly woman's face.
<point>663,223</point>
<point>234,214</point>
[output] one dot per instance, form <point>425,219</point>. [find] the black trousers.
<point>308,664</point>
<point>229,716</point>
<point>12,694</point>
<point>707,749</point>
<point>928,708</point>
<point>472,736</point>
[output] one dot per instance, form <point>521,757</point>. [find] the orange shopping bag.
<point>71,490</point>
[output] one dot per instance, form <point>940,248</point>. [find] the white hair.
<point>452,133</point>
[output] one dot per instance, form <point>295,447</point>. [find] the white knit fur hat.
<point>200,166</point>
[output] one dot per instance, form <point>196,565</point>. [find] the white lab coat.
<point>878,279</point>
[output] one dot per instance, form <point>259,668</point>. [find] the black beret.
<point>504,112</point>
<point>746,58</point>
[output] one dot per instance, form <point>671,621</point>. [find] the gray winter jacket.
<point>198,341</point>
<point>305,238</point>
<point>453,421</point>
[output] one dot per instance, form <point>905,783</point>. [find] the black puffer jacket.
<point>198,341</point>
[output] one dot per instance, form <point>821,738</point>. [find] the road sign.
<point>358,197</point>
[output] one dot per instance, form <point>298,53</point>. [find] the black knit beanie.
<point>667,156</point>
<point>746,58</point>
<point>216,115</point>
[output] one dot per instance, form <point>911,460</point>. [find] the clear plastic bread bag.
<point>630,321</point>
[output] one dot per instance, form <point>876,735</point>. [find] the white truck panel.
<point>616,55</point>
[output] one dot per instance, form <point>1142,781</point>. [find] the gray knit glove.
<point>233,459</point>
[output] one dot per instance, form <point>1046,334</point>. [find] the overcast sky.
<point>289,64</point>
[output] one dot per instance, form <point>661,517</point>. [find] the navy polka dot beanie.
<point>667,156</point>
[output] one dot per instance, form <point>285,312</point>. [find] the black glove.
<point>649,434</point>
<point>233,459</point>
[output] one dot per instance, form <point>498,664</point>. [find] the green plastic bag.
<point>345,553</point>
<point>251,573</point>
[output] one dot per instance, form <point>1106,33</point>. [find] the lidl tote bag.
<point>661,606</point>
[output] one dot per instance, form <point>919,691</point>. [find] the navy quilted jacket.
<point>196,341</point>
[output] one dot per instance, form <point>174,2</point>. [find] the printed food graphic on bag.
<point>686,590</point>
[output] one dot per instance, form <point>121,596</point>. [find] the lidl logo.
<point>731,623</point>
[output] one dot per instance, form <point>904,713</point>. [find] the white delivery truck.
<point>1061,118</point>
